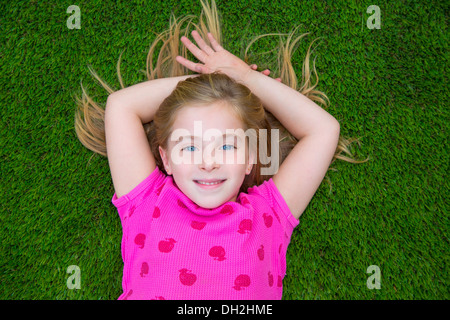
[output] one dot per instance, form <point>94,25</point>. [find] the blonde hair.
<point>89,118</point>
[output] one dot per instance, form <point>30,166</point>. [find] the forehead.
<point>217,116</point>
<point>179,135</point>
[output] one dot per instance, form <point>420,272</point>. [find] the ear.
<point>165,160</point>
<point>251,161</point>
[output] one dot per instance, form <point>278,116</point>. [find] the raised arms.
<point>129,154</point>
<point>303,170</point>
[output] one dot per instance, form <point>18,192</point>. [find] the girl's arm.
<point>144,98</point>
<point>303,170</point>
<point>129,154</point>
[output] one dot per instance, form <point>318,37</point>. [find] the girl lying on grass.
<point>206,213</point>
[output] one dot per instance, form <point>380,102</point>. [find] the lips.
<point>209,182</point>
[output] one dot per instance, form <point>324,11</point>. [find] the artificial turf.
<point>387,86</point>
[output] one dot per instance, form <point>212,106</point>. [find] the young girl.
<point>208,229</point>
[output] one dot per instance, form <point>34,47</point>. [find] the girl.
<point>208,229</point>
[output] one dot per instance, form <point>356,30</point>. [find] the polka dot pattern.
<point>173,249</point>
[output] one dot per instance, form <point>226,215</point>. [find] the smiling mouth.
<point>209,183</point>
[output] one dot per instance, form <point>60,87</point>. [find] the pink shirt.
<point>174,249</point>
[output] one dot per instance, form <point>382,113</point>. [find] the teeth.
<point>209,183</point>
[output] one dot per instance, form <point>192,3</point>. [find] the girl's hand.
<point>215,59</point>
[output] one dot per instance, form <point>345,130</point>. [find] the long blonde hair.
<point>89,118</point>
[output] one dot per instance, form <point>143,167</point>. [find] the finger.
<point>266,72</point>
<point>216,46</point>
<point>201,43</point>
<point>199,54</point>
<point>278,79</point>
<point>253,66</point>
<point>196,67</point>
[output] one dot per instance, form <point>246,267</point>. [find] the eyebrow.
<point>197,137</point>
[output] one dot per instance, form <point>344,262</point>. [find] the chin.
<point>210,204</point>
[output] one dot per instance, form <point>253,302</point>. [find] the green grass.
<point>386,86</point>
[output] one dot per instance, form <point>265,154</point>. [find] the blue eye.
<point>230,147</point>
<point>190,148</point>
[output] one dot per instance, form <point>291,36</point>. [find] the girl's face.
<point>206,155</point>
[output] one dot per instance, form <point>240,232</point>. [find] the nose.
<point>209,161</point>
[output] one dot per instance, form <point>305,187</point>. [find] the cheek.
<point>181,170</point>
<point>236,161</point>
<point>183,157</point>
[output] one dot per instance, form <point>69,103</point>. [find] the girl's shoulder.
<point>152,183</point>
<point>267,195</point>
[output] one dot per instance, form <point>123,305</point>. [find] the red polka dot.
<point>261,253</point>
<point>244,201</point>
<point>156,212</point>
<point>245,226</point>
<point>218,253</point>
<point>140,240</point>
<point>270,278</point>
<point>158,191</point>
<point>280,282</point>
<point>131,211</point>
<point>267,220</point>
<point>186,277</point>
<point>128,295</point>
<point>198,225</point>
<point>181,204</point>
<point>241,282</point>
<point>144,269</point>
<point>227,209</point>
<point>166,246</point>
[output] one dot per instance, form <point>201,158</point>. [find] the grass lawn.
<point>386,86</point>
